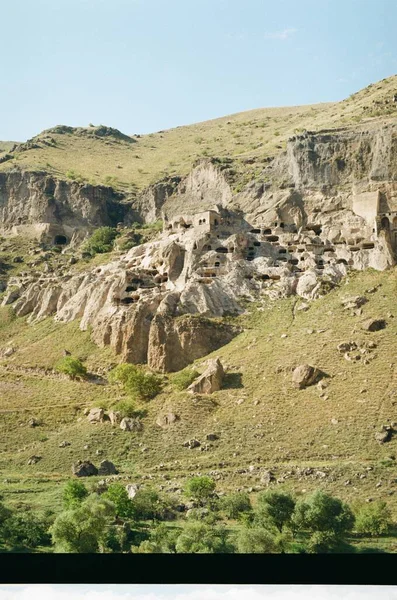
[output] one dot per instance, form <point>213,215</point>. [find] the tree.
<point>83,529</point>
<point>200,488</point>
<point>256,540</point>
<point>136,382</point>
<point>373,519</point>
<point>118,495</point>
<point>321,512</point>
<point>25,530</point>
<point>162,541</point>
<point>71,366</point>
<point>101,241</point>
<point>235,504</point>
<point>74,493</point>
<point>276,508</point>
<point>199,538</point>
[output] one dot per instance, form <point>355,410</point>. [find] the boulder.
<point>114,417</point>
<point>132,489</point>
<point>129,424</point>
<point>267,477</point>
<point>211,437</point>
<point>33,423</point>
<point>347,346</point>
<point>84,469</point>
<point>165,420</point>
<point>107,468</point>
<point>210,381</point>
<point>34,459</point>
<point>384,435</point>
<point>193,443</point>
<point>374,325</point>
<point>95,415</point>
<point>8,352</point>
<point>64,444</point>
<point>354,302</point>
<point>305,375</point>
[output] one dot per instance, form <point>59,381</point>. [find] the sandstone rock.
<point>95,415</point>
<point>167,419</point>
<point>132,489</point>
<point>34,459</point>
<point>210,381</point>
<point>305,375</point>
<point>193,443</point>
<point>267,477</point>
<point>114,417</point>
<point>107,468</point>
<point>129,424</point>
<point>84,469</point>
<point>374,325</point>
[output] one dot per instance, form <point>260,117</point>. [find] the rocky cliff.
<point>325,205</point>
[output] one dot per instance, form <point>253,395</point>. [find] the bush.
<point>137,383</point>
<point>162,541</point>
<point>199,538</point>
<point>126,408</point>
<point>149,504</point>
<point>71,366</point>
<point>255,540</point>
<point>200,488</point>
<point>118,495</point>
<point>101,241</point>
<point>25,530</point>
<point>321,512</point>
<point>74,493</point>
<point>275,508</point>
<point>184,378</point>
<point>83,529</point>
<point>235,504</point>
<point>373,519</point>
<point>322,542</point>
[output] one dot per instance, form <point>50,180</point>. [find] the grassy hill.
<point>308,438</point>
<point>104,156</point>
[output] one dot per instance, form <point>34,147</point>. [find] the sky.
<point>146,65</point>
<point>195,592</point>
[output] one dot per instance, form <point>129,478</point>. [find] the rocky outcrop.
<point>84,469</point>
<point>107,468</point>
<point>35,204</point>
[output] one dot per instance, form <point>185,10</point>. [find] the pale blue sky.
<point>145,65</point>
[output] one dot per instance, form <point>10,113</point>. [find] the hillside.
<point>266,239</point>
<point>100,155</point>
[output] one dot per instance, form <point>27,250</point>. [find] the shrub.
<point>101,241</point>
<point>321,512</point>
<point>275,508</point>
<point>71,366</point>
<point>126,408</point>
<point>84,528</point>
<point>373,519</point>
<point>118,495</point>
<point>200,488</point>
<point>255,540</point>
<point>322,542</point>
<point>235,504</point>
<point>149,504</point>
<point>199,538</point>
<point>25,530</point>
<point>74,493</point>
<point>184,378</point>
<point>162,541</point>
<point>136,382</point>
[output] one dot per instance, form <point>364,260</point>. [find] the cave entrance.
<point>60,240</point>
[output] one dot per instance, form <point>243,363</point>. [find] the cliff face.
<point>36,204</point>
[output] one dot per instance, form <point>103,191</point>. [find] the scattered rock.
<point>132,489</point>
<point>34,459</point>
<point>267,477</point>
<point>8,352</point>
<point>114,417</point>
<point>374,325</point>
<point>384,435</point>
<point>347,346</point>
<point>212,437</point>
<point>166,420</point>
<point>64,444</point>
<point>84,469</point>
<point>211,380</point>
<point>95,415</point>
<point>305,375</point>
<point>193,443</point>
<point>129,424</point>
<point>354,302</point>
<point>33,423</point>
<point>107,468</point>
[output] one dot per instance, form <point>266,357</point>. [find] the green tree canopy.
<point>275,508</point>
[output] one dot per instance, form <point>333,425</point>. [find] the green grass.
<point>275,427</point>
